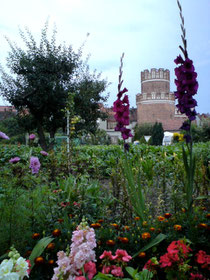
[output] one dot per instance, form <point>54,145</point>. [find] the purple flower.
<point>185,126</point>
<point>44,153</point>
<point>3,135</point>
<point>14,160</point>
<point>187,87</point>
<point>32,136</point>
<point>34,165</point>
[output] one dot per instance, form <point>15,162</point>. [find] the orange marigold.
<point>167,215</point>
<point>142,255</point>
<point>51,246</point>
<point>110,242</point>
<point>39,260</point>
<point>115,225</point>
<point>100,221</point>
<point>51,262</point>
<point>56,232</point>
<point>137,218</point>
<point>202,225</point>
<point>146,235</point>
<point>124,240</point>
<point>152,229</point>
<point>96,225</point>
<point>35,236</point>
<point>126,228</point>
<point>161,218</point>
<point>177,227</point>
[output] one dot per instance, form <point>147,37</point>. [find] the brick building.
<point>156,103</point>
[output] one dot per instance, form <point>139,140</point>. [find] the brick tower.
<point>156,103</point>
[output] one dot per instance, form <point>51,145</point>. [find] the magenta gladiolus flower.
<point>14,160</point>
<point>44,153</point>
<point>34,165</point>
<point>3,135</point>
<point>32,136</point>
<point>121,109</point>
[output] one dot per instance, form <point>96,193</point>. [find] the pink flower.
<point>203,259</point>
<point>122,255</point>
<point>80,278</point>
<point>14,160</point>
<point>150,265</point>
<point>34,165</point>
<point>32,136</point>
<point>106,269</point>
<point>44,153</point>
<point>3,135</point>
<point>64,204</point>
<point>168,259</point>
<point>197,276</point>
<point>108,255</point>
<point>117,271</point>
<point>29,266</point>
<point>90,269</point>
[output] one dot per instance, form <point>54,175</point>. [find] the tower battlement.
<point>157,74</point>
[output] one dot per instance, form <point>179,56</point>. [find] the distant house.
<point>7,112</point>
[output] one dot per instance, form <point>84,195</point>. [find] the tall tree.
<point>157,134</point>
<point>41,77</point>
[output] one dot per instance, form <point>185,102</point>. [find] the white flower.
<point>5,268</point>
<point>21,267</point>
<point>11,276</point>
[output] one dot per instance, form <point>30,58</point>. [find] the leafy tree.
<point>142,130</point>
<point>42,76</point>
<point>87,101</point>
<point>157,134</point>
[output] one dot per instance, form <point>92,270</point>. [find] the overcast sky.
<point>147,31</point>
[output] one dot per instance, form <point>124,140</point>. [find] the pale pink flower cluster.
<point>81,255</point>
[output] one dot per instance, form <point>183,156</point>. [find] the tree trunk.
<point>42,140</point>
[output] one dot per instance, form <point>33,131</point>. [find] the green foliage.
<point>44,74</point>
<point>39,248</point>
<point>100,137</point>
<point>142,130</point>
<point>157,134</point>
<point>201,133</point>
<point>142,140</point>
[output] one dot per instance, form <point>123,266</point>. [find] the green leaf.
<point>101,276</point>
<point>131,271</point>
<point>159,238</point>
<point>39,248</point>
